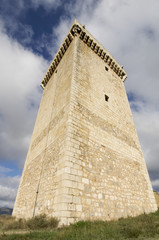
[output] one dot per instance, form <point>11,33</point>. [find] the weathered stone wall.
<point>107,177</point>
<point>84,160</point>
<point>41,179</point>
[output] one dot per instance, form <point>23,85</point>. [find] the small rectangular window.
<point>106,98</point>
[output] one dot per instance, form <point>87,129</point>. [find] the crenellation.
<point>76,29</point>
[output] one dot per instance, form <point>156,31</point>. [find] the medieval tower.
<point>84,160</point>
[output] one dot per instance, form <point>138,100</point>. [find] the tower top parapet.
<point>77,30</point>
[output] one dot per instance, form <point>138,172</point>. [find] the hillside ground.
<point>145,226</point>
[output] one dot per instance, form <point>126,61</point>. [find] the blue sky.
<point>31,31</point>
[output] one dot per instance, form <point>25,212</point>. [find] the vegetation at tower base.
<point>35,223</point>
<point>142,227</point>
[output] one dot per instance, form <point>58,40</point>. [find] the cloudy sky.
<point>31,31</point>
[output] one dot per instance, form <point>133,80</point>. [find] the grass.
<point>141,227</point>
<point>36,223</point>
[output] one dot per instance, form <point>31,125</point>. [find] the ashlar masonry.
<point>84,160</point>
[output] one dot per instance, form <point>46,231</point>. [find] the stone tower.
<point>84,159</point>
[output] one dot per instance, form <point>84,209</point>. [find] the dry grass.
<point>36,223</point>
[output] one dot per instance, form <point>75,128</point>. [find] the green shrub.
<point>9,223</point>
<point>15,224</point>
<point>35,223</point>
<point>53,222</point>
<point>42,222</point>
<point>131,232</point>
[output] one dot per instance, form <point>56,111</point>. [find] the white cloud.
<point>47,4</point>
<point>21,73</point>
<point>60,31</point>
<point>19,6</point>
<point>155,184</point>
<point>8,190</point>
<point>5,170</point>
<point>147,122</point>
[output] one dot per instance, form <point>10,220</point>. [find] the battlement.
<point>77,30</point>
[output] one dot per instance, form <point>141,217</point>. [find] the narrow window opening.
<point>106,98</point>
<point>106,68</point>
